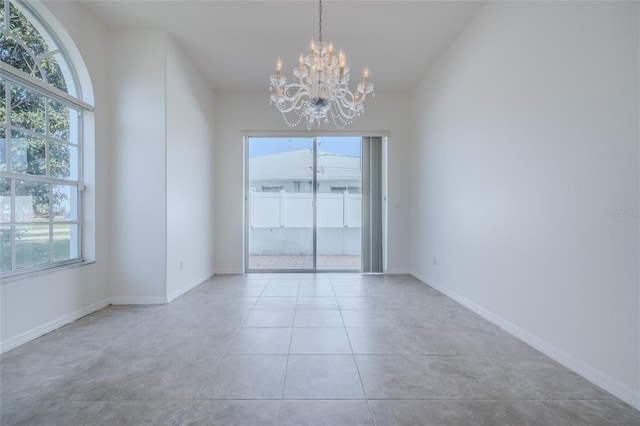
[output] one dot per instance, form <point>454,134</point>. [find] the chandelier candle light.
<point>321,88</point>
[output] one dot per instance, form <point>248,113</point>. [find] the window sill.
<point>32,274</point>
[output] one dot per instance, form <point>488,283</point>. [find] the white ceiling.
<point>236,43</point>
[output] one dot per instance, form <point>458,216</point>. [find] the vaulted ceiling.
<point>236,43</point>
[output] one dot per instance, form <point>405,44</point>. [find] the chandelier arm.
<point>284,110</point>
<point>348,112</point>
<point>300,90</point>
<point>348,99</point>
<point>288,103</point>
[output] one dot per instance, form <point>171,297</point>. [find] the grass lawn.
<point>30,253</point>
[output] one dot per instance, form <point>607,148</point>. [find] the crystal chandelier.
<point>321,88</point>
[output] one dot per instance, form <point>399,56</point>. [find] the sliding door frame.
<point>313,135</point>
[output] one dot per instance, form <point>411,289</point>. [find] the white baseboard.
<point>138,300</point>
<point>27,336</point>
<point>398,271</point>
<point>43,329</point>
<point>613,386</point>
<point>174,295</point>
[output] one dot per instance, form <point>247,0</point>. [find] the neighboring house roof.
<point>298,165</point>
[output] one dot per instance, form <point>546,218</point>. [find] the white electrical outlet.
<point>435,261</point>
<point>181,264</point>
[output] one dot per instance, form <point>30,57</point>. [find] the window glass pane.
<point>32,201</point>
<point>65,242</point>
<point>28,154</point>
<point>65,202</point>
<point>3,101</point>
<point>27,109</point>
<point>53,72</point>
<point>21,28</point>
<point>1,14</point>
<point>63,161</point>
<point>5,200</point>
<point>16,56</point>
<point>60,120</point>
<point>280,203</point>
<point>32,245</point>
<point>339,205</point>
<point>5,248</point>
<point>3,150</point>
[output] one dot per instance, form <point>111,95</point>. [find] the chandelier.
<point>320,89</point>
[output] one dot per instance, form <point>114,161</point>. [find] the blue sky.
<point>344,145</point>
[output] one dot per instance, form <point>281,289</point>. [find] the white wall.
<point>525,141</point>
<point>162,194</point>
<point>190,170</point>
<point>34,306</point>
<point>138,166</point>
<point>245,112</point>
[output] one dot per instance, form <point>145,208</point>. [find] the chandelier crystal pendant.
<point>321,88</point>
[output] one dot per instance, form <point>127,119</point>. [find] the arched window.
<point>40,146</point>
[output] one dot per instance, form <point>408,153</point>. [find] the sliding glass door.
<point>279,203</point>
<point>339,203</point>
<point>304,204</point>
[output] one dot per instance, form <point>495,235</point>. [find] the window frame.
<point>14,76</point>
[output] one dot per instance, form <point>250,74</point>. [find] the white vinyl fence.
<point>282,223</point>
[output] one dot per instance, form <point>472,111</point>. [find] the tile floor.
<point>295,349</point>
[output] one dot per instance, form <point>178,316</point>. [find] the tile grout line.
<point>353,355</point>
<point>286,369</point>
<point>373,419</point>
<point>224,353</point>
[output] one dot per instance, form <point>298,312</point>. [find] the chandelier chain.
<point>320,22</point>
